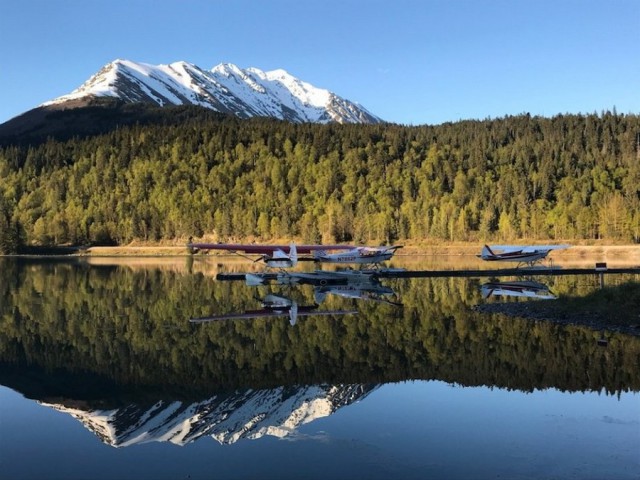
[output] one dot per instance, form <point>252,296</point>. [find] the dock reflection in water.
<point>113,347</point>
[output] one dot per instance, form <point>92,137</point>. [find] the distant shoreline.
<point>629,252</point>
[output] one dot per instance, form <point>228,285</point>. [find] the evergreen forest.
<point>194,173</point>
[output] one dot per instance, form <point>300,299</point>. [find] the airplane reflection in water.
<point>362,291</point>
<point>517,288</point>
<point>276,306</point>
<point>352,284</point>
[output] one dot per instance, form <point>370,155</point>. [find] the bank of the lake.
<point>611,309</point>
<point>616,309</point>
<point>621,255</point>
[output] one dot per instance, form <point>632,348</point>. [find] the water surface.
<point>104,376</point>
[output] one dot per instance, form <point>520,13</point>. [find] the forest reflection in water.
<point>131,326</point>
<point>112,345</point>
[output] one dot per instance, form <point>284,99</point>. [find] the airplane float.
<point>276,306</point>
<point>523,254</point>
<point>282,256</point>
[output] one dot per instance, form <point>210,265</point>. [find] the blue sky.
<point>410,62</point>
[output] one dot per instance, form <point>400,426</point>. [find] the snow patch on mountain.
<point>226,88</point>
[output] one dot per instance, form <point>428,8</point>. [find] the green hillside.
<point>187,172</point>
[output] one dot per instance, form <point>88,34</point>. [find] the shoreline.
<point>539,311</point>
<point>454,256</point>
<point>629,252</point>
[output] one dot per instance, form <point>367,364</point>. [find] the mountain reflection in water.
<point>113,346</point>
<point>226,418</point>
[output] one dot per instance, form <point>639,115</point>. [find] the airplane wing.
<point>543,248</point>
<point>294,278</point>
<point>379,250</point>
<point>258,249</point>
<point>376,293</point>
<point>528,248</point>
<point>508,248</point>
<point>238,316</point>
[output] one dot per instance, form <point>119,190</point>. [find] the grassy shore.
<point>610,308</point>
<point>626,253</point>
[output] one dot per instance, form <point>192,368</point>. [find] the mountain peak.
<point>226,88</point>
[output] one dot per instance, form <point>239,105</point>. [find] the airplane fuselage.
<point>357,256</point>
<point>529,254</point>
<point>356,259</point>
<point>517,257</point>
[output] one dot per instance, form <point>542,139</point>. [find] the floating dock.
<point>504,272</point>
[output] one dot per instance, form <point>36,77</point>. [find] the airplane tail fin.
<point>293,254</point>
<point>253,280</point>
<point>293,314</point>
<point>487,253</point>
<point>282,259</point>
<point>319,254</point>
<point>319,296</point>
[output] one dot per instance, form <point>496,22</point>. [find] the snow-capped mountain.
<point>226,88</point>
<point>226,418</point>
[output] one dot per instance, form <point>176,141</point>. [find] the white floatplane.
<point>283,256</point>
<point>522,254</point>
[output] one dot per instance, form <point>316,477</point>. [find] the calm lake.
<point>103,374</point>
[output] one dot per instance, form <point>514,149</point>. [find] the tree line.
<point>513,178</point>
